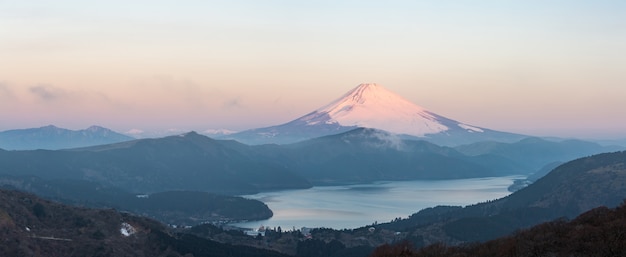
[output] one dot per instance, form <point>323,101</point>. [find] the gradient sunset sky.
<point>548,68</point>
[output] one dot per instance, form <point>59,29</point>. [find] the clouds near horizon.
<point>6,93</point>
<point>48,93</point>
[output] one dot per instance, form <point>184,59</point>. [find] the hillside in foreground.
<point>31,226</point>
<point>567,191</point>
<point>598,232</point>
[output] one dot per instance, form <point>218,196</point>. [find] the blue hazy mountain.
<point>51,137</point>
<point>183,162</point>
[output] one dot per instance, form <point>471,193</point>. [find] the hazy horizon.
<point>529,67</point>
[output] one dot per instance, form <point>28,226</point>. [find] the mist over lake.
<point>354,206</point>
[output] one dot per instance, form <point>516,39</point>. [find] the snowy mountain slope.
<point>373,106</point>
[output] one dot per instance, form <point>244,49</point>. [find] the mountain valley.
<point>569,190</point>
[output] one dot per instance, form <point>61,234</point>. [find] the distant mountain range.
<point>373,106</point>
<point>185,162</point>
<point>198,163</point>
<point>53,138</point>
<point>365,155</point>
<point>366,106</point>
<point>535,152</point>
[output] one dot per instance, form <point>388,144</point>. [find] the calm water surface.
<point>355,206</point>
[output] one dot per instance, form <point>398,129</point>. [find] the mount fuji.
<point>373,106</point>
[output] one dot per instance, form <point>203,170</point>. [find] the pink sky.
<point>554,69</point>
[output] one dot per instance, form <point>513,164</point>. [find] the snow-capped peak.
<point>373,106</point>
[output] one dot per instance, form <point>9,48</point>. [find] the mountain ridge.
<point>51,137</point>
<point>185,162</point>
<point>196,162</point>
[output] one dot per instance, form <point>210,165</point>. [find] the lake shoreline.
<point>358,205</point>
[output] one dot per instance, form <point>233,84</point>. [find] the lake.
<point>354,206</point>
